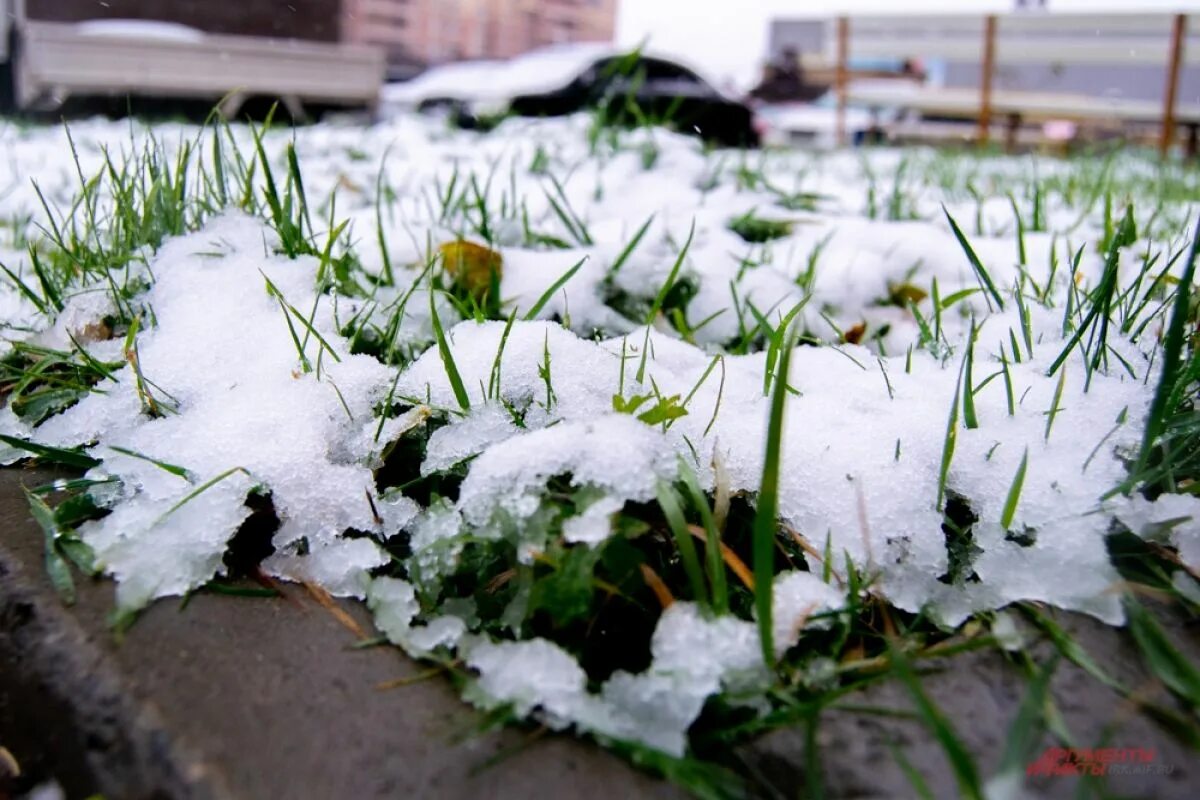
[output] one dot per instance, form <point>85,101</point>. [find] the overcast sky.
<point>729,37</point>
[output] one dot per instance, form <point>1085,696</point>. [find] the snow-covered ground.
<point>919,381</point>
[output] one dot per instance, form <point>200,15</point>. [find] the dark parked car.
<point>628,88</point>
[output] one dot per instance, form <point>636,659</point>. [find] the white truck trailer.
<point>45,63</point>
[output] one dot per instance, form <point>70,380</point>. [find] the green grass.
<point>586,599</point>
<point>447,355</point>
<point>766,515</point>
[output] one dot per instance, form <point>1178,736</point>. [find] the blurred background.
<point>819,71</point>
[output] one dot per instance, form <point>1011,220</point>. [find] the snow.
<point>693,658</point>
<point>614,453</point>
<point>222,354</point>
<point>798,597</point>
<point>862,444</point>
<point>140,29</point>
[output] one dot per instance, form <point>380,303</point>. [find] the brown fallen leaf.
<point>471,265</point>
<point>901,294</point>
<point>854,334</point>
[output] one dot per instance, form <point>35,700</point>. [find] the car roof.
<point>447,80</point>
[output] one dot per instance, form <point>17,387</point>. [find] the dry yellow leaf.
<point>471,265</point>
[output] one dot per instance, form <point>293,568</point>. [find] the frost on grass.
<point>471,459</point>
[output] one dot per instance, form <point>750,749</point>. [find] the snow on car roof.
<point>448,79</point>
<point>543,70</point>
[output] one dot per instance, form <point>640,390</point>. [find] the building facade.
<point>437,31</point>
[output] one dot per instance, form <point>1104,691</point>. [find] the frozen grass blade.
<point>981,272</point>
<point>1026,320</point>
<point>1021,259</point>
<point>703,377</point>
<point>493,391</point>
<point>570,220</point>
<point>452,374</point>
<point>75,459</point>
<point>1008,385</point>
<point>49,290</point>
<point>554,287</point>
<point>629,248</point>
<point>544,372</point>
<point>298,182</point>
<point>1172,352</point>
<point>387,407</point>
<point>717,405</point>
<point>1014,493</point>
<point>776,342</point>
<point>712,539</point>
<point>1102,299</point>
<point>201,489</point>
<point>56,566</point>
<point>668,499</point>
<point>305,364</point>
<point>38,302</point>
<point>766,516</point>
<point>177,471</point>
<point>1054,405</point>
<point>949,441</point>
<point>388,276</point>
<point>662,298</point>
<point>968,390</point>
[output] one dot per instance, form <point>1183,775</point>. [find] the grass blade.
<point>56,566</point>
<point>180,472</point>
<point>554,287</point>
<point>1014,493</point>
<point>53,455</point>
<point>712,540</point>
<point>452,374</point>
<point>949,442</point>
<point>1103,295</point>
<point>1172,350</point>
<point>661,298</point>
<point>669,500</point>
<point>766,516</point>
<point>961,763</point>
<point>980,272</point>
<point>1164,660</point>
<point>199,490</point>
<point>1054,406</point>
<point>629,248</point>
<point>969,417</point>
<point>1024,734</point>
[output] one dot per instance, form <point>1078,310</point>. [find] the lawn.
<point>663,444</point>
